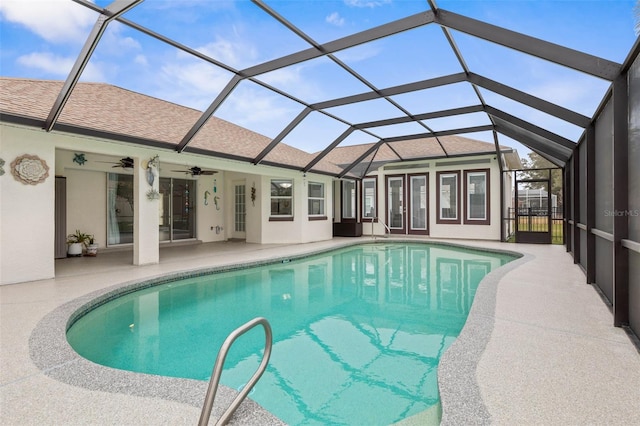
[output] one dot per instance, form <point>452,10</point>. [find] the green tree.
<point>536,167</point>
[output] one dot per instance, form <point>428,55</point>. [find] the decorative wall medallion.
<point>1,166</point>
<point>80,159</point>
<point>152,194</point>
<point>29,169</point>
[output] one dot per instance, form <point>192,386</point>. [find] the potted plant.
<point>76,241</point>
<point>92,247</point>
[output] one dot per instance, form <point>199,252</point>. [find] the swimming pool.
<point>358,332</point>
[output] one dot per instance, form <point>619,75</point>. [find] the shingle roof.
<point>118,112</point>
<point>413,149</point>
<point>113,110</point>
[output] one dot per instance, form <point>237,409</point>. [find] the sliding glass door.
<point>177,209</point>
<point>119,209</point>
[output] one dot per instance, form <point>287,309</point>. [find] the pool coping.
<point>459,393</point>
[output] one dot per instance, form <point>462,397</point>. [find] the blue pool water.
<point>358,332</point>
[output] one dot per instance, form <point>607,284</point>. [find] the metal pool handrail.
<point>217,371</point>
<point>386,228</point>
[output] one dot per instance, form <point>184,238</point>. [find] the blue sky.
<point>41,39</point>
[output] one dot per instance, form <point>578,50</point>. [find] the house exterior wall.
<point>300,229</point>
<point>86,202</point>
<point>27,211</point>
<point>490,231</point>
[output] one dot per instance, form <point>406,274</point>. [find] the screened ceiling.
<point>318,75</point>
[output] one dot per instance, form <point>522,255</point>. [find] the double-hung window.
<point>448,198</point>
<point>349,199</point>
<point>476,206</point>
<point>281,199</point>
<point>316,200</point>
<point>369,198</point>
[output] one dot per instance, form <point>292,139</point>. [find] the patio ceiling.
<point>427,101</point>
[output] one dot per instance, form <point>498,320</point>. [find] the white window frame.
<point>351,193</point>
<point>374,196</point>
<point>456,197</point>
<point>468,190</point>
<point>321,199</point>
<point>281,197</point>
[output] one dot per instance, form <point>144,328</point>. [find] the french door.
<point>239,210</point>
<point>407,203</point>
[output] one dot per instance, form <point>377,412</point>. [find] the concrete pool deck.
<point>539,346</point>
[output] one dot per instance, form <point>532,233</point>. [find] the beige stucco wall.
<point>27,212</point>
<point>467,231</point>
<point>300,229</point>
<point>87,203</point>
<point>435,230</point>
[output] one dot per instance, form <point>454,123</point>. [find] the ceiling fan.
<point>197,171</point>
<point>125,163</point>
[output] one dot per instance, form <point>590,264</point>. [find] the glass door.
<point>164,207</point>
<point>177,209</point>
<point>395,204</point>
<point>184,209</point>
<point>119,209</point>
<point>240,210</point>
<point>533,213</point>
<point>418,204</point>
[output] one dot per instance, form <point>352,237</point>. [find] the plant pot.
<point>92,250</point>
<point>74,249</point>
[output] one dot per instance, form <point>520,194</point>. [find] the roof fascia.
<point>589,64</point>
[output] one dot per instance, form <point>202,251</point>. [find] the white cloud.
<point>128,43</point>
<point>59,66</point>
<point>234,53</point>
<point>359,53</point>
<point>284,77</point>
<point>194,84</point>
<point>47,62</point>
<point>366,3</point>
<point>141,60</point>
<point>335,19</point>
<point>56,21</point>
<point>252,108</point>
